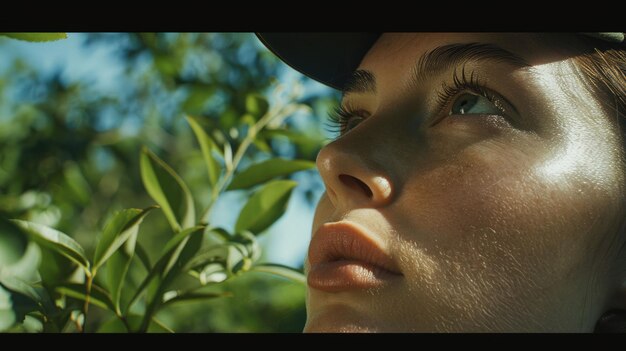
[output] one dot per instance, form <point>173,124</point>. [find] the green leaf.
<point>280,270</point>
<point>143,256</point>
<point>180,256</point>
<point>120,228</point>
<point>183,253</point>
<point>265,206</point>
<point>12,243</point>
<point>8,316</point>
<point>220,262</point>
<point>76,184</point>
<point>115,325</point>
<point>167,64</point>
<point>207,145</point>
<point>98,296</point>
<point>18,298</point>
<point>55,240</point>
<point>16,284</point>
<point>197,97</point>
<point>19,257</point>
<point>215,253</point>
<point>213,273</point>
<point>256,105</point>
<point>168,190</point>
<point>13,308</point>
<point>250,242</point>
<point>237,259</point>
<point>55,269</point>
<point>262,145</point>
<point>267,170</point>
<point>220,233</point>
<point>26,267</point>
<point>117,268</point>
<point>172,297</point>
<point>37,37</point>
<point>175,241</point>
<point>172,252</point>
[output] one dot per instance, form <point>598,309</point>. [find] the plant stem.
<point>125,322</point>
<point>150,311</point>
<point>87,298</point>
<point>241,151</point>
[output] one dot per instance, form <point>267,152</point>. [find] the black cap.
<point>330,58</point>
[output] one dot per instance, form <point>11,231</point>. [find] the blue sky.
<point>287,240</point>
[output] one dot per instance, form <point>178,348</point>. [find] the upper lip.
<point>343,240</point>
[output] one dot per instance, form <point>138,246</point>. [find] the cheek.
<point>486,231</point>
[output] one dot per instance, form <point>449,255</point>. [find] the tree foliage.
<point>110,196</point>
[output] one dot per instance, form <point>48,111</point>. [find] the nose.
<point>352,179</point>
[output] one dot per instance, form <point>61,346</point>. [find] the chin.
<point>348,327</point>
<point>338,319</point>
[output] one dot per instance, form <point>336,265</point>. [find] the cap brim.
<point>329,58</point>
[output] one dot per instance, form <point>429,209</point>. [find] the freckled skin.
<point>495,227</point>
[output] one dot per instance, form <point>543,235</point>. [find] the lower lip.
<point>347,275</point>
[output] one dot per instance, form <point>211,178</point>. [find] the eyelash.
<point>338,118</point>
<point>340,115</point>
<point>462,84</point>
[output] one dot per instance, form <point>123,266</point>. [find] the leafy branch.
<point>57,303</point>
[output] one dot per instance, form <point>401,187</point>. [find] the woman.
<point>477,183</point>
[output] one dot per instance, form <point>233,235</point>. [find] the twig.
<point>241,151</point>
<point>87,298</point>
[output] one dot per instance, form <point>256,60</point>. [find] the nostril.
<point>356,184</point>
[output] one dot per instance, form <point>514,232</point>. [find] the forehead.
<point>397,51</point>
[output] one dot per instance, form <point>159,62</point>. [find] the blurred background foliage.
<point>69,149</point>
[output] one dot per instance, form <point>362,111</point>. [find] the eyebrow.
<point>360,81</point>
<point>436,61</point>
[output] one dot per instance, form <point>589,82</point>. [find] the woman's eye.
<point>352,122</point>
<point>472,104</point>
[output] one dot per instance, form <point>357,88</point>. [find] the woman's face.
<point>487,206</point>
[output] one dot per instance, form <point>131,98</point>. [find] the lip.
<point>343,257</point>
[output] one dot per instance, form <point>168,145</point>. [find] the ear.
<point>614,319</point>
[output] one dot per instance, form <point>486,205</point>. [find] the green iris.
<point>472,104</point>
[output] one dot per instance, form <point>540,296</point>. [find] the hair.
<point>604,70</point>
<point>603,67</point>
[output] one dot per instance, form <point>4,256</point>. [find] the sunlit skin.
<point>496,223</point>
